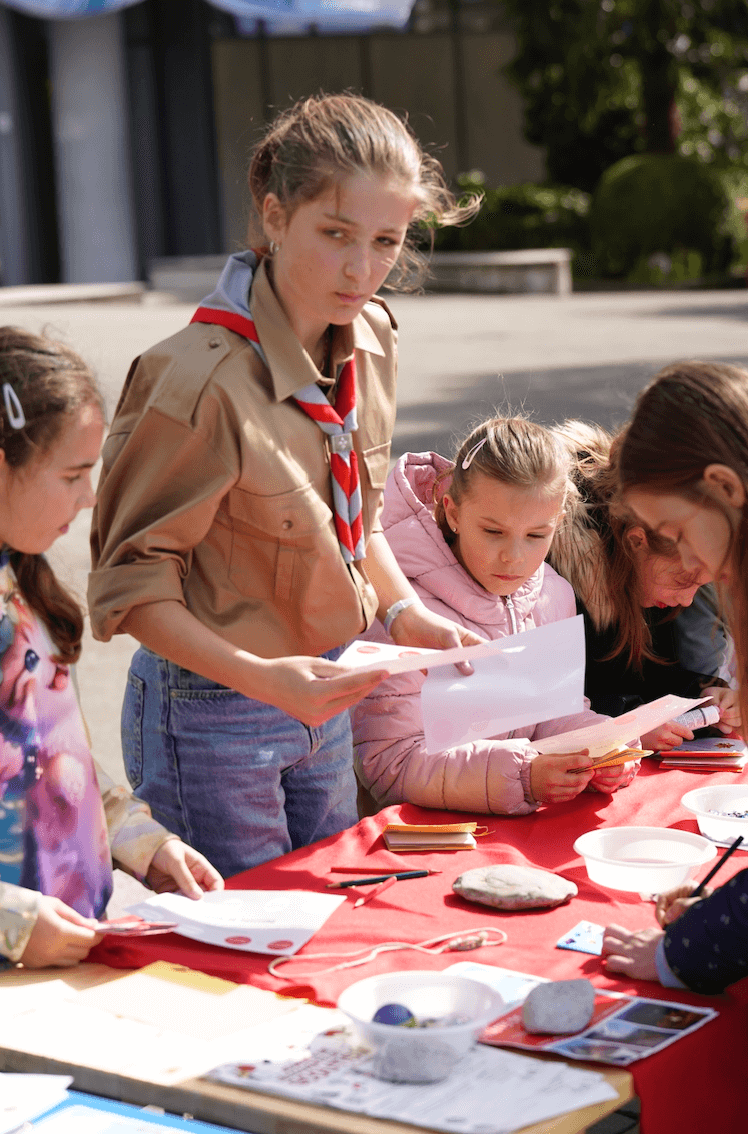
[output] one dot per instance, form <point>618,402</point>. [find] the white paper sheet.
<point>277,922</point>
<point>528,678</point>
<point>610,734</point>
<point>23,1097</point>
<point>368,657</point>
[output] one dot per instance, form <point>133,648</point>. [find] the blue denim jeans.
<point>237,779</point>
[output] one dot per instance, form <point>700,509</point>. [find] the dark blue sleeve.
<point>707,947</point>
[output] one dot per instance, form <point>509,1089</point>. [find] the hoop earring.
<point>274,247</point>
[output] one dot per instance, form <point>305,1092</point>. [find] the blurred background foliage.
<point>642,109</point>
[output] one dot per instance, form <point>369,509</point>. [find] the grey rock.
<point>559,1007</point>
<point>508,887</point>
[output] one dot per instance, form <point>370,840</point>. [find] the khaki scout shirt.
<point>216,489</point>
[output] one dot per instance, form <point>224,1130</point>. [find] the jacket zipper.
<point>513,619</point>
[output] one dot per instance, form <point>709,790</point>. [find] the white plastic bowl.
<point>721,829</point>
<point>645,859</point>
<point>419,1055</point>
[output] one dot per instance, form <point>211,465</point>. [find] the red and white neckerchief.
<point>338,422</point>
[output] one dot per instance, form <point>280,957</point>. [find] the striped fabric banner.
<point>339,422</point>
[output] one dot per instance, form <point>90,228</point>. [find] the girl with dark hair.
<point>237,532</point>
<point>60,834</point>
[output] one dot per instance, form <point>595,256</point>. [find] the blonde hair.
<point>317,142</point>
<point>695,414</point>
<point>512,450</point>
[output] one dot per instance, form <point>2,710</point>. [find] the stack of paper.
<point>710,754</point>
<point>312,1056</point>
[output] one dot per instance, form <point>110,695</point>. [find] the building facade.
<point>124,137</point>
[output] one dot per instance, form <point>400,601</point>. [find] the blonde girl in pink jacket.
<point>472,538</point>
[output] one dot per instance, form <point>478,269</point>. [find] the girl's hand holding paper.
<point>559,777</point>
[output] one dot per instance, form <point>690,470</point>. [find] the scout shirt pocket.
<point>267,534</point>
<point>376,464</point>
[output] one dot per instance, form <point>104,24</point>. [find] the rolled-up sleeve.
<point>19,910</point>
<point>159,492</point>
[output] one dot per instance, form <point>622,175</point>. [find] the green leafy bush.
<point>520,216</point>
<point>664,218</point>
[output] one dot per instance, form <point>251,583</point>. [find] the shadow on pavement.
<point>604,394</point>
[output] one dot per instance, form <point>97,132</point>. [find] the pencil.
<point>366,869</point>
<point>713,871</point>
<point>397,875</point>
<point>375,892</point>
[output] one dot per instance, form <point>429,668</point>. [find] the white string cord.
<point>447,942</point>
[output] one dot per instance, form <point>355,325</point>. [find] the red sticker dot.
<point>367,649</point>
<point>409,654</point>
<point>280,944</point>
<point>238,940</point>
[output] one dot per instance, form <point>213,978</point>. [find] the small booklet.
<point>708,754</point>
<point>401,837</point>
<point>620,756</point>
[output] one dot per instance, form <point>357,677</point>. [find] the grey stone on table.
<point>560,1007</point>
<point>508,887</point>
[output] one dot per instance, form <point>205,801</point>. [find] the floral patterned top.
<point>62,819</point>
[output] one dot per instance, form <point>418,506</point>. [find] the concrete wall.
<point>412,73</point>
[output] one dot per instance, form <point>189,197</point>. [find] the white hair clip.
<point>467,462</point>
<point>13,408</point>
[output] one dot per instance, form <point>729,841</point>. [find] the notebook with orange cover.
<point>401,837</point>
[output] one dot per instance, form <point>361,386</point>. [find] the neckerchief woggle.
<point>228,306</point>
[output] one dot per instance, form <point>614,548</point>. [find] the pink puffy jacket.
<point>390,756</point>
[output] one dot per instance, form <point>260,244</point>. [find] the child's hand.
<point>673,903</point>
<point>177,867</point>
<point>728,703</point>
<point>61,936</point>
<point>669,735</point>
<point>608,780</point>
<point>553,778</point>
<point>631,951</point>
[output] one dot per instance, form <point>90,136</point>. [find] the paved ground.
<point>460,357</point>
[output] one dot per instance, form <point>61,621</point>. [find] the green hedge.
<point>664,218</point>
<point>520,216</point>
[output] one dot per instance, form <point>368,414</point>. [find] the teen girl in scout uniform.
<point>237,531</point>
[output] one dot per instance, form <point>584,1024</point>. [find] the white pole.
<point>92,149</point>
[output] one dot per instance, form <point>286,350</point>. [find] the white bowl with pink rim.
<point>645,859</point>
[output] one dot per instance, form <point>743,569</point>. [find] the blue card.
<point>585,937</point>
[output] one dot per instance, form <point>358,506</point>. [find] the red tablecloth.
<point>696,1084</point>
